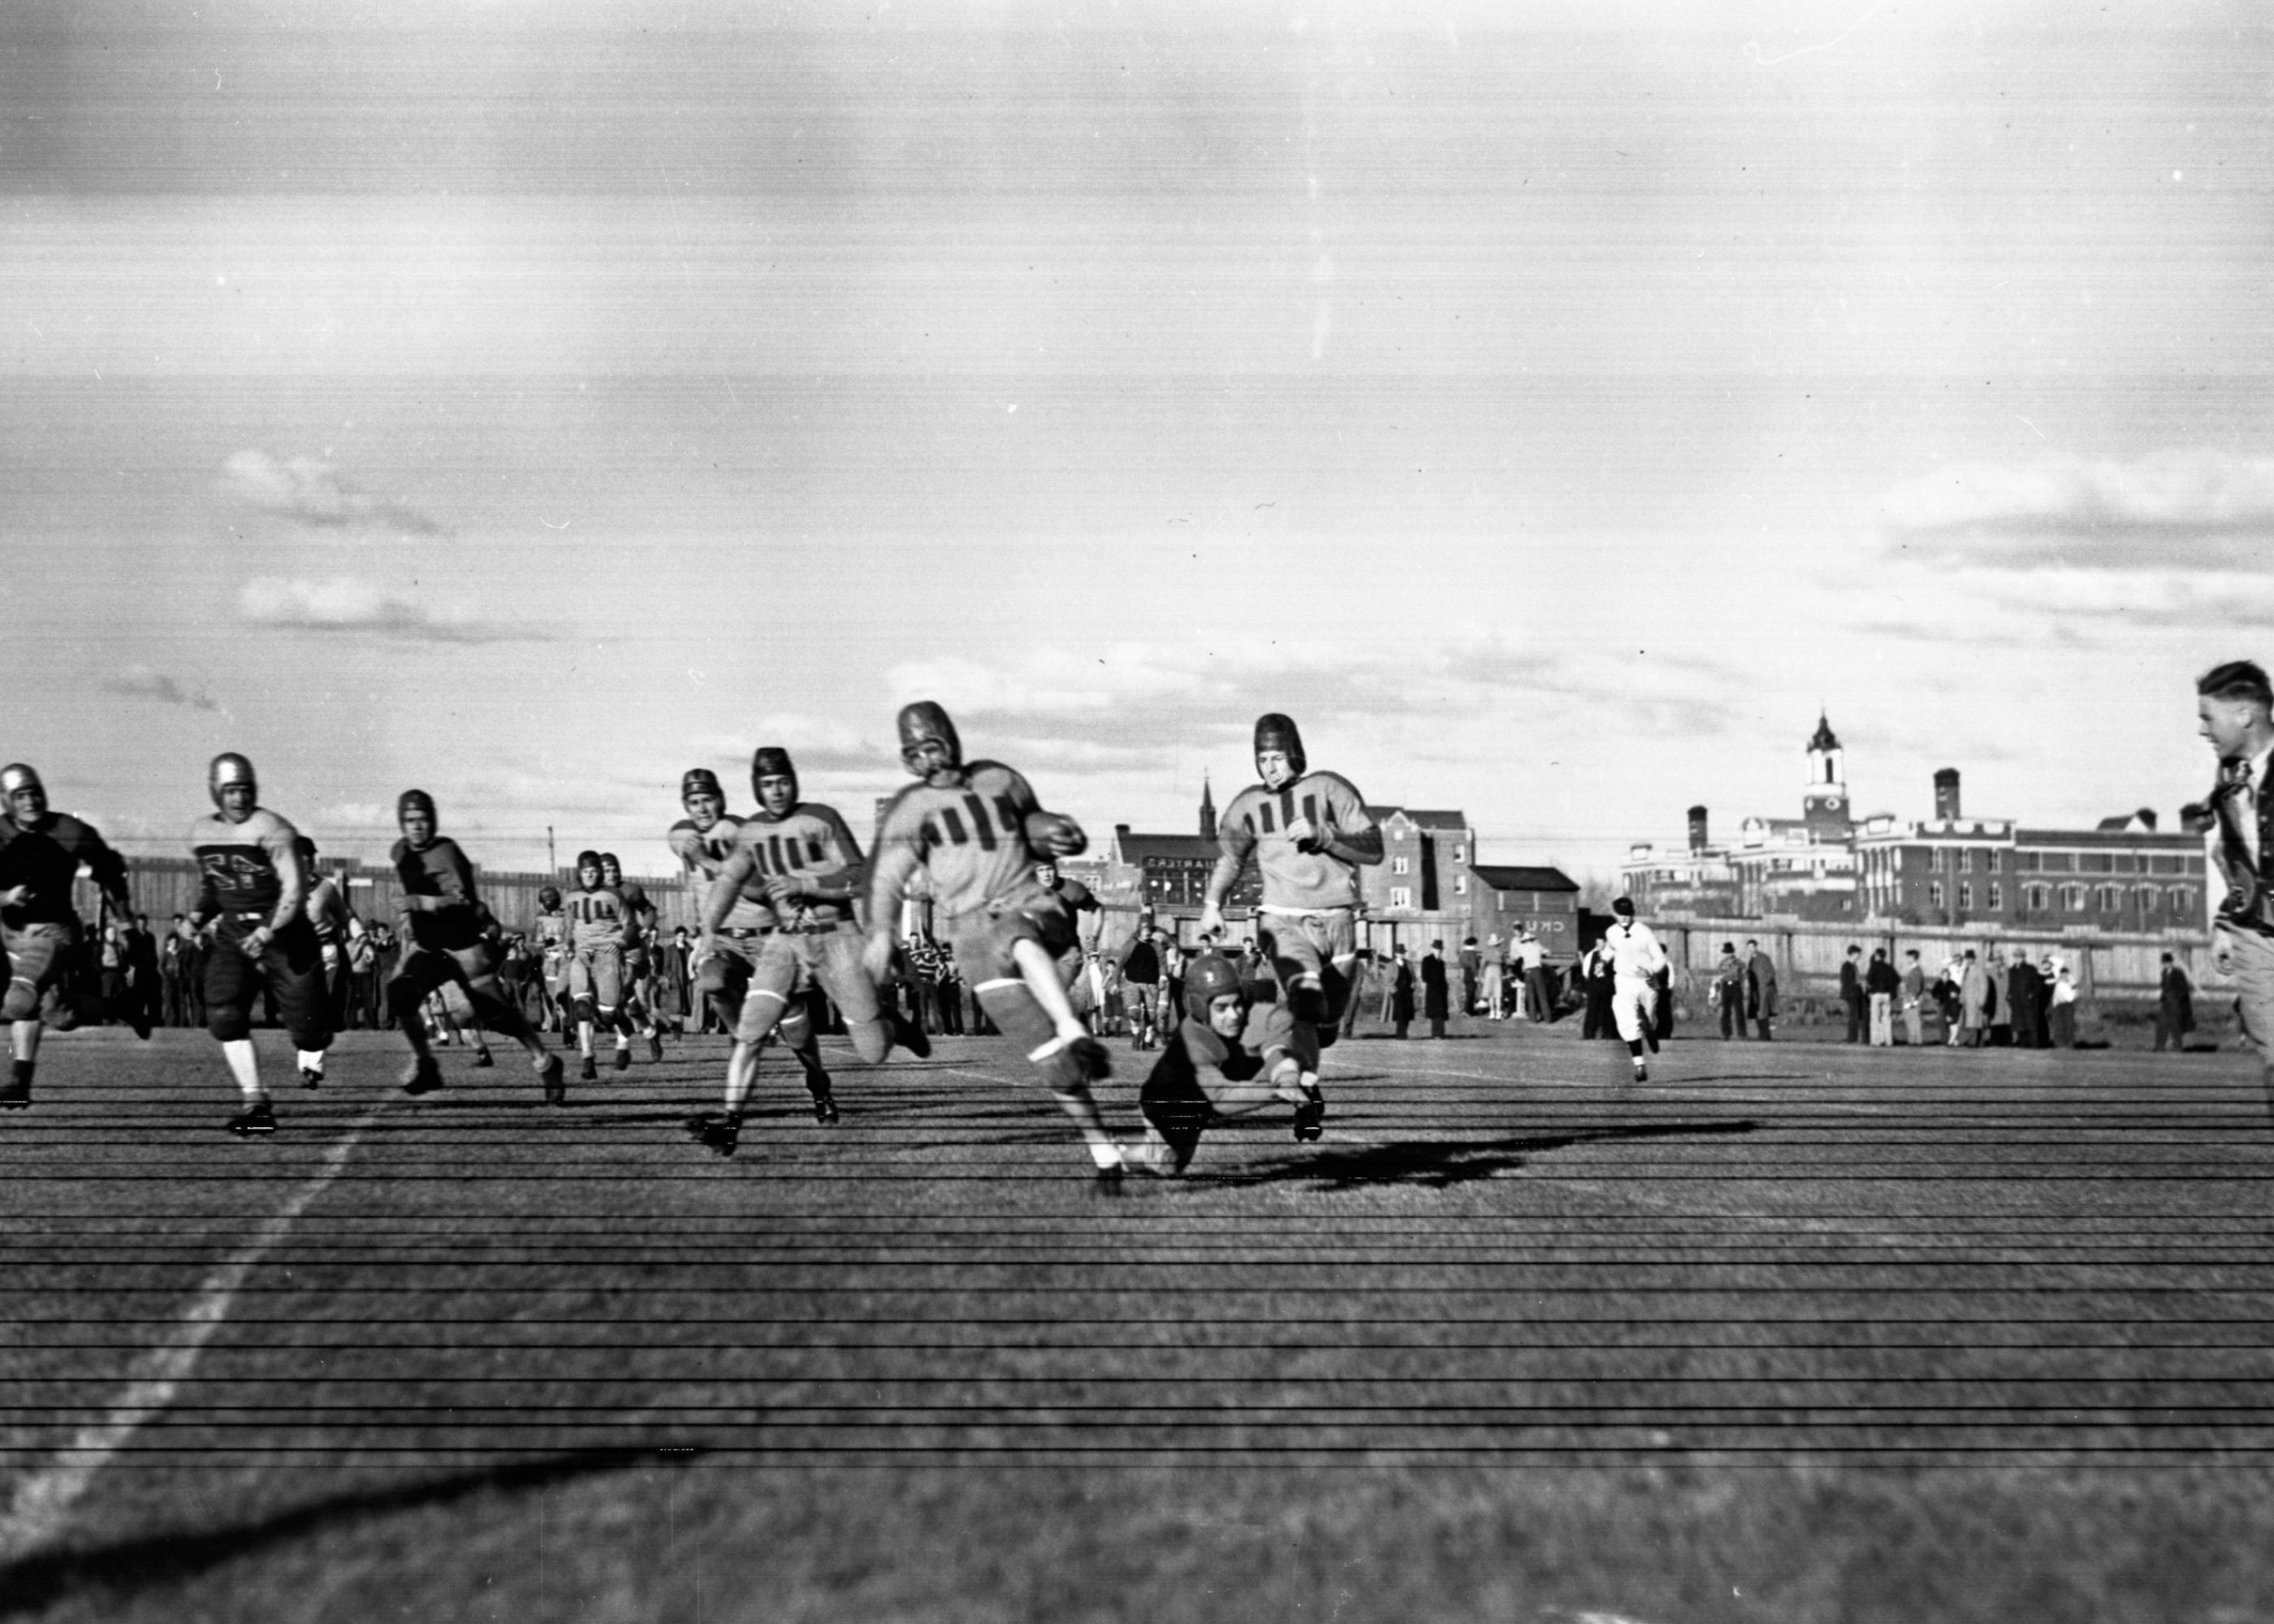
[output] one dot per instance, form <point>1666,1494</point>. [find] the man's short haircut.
<point>1853,949</point>
<point>1910,952</point>
<point>1752,941</point>
<point>2237,679</point>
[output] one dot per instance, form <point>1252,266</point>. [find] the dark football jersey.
<point>438,869</point>
<point>45,860</point>
<point>246,867</point>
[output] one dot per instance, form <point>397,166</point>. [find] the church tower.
<point>1823,804</point>
<point>1207,810</point>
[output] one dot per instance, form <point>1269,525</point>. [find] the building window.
<point>2127,863</point>
<point>2183,899</point>
<point>2072,899</point>
<point>2111,898</point>
<point>1460,885</point>
<point>2026,861</point>
<point>1460,853</point>
<point>2147,898</point>
<point>1966,894</point>
<point>1401,865</point>
<point>2037,896</point>
<point>1400,896</point>
<point>1996,897</point>
<point>2165,865</point>
<point>2096,863</point>
<point>1934,893</point>
<point>1966,860</point>
<point>1990,863</point>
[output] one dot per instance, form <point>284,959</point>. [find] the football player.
<point>976,831</point>
<point>704,839</point>
<point>549,935</point>
<point>327,916</point>
<point>252,893</point>
<point>449,940</point>
<point>41,853</point>
<point>637,1015</point>
<point>1231,1054</point>
<point>600,924</point>
<point>796,862</point>
<point>1309,833</point>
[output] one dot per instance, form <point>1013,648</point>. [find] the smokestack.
<point>1697,828</point>
<point>1946,793</point>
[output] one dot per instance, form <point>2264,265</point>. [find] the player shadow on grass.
<point>1439,1164</point>
<point>132,1566</point>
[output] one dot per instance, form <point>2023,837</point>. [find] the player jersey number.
<point>781,856</point>
<point>982,829</point>
<point>1286,813</point>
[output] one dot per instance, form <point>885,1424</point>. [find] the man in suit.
<point>1436,999</point>
<point>1851,993</point>
<point>2175,1007</point>
<point>1761,988</point>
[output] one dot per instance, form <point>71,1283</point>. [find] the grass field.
<point>1794,1332</point>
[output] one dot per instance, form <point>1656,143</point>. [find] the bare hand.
<point>1211,920</point>
<point>781,890</point>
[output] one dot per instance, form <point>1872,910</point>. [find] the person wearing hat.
<point>1636,962</point>
<point>41,853</point>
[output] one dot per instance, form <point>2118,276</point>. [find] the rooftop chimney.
<point>1697,828</point>
<point>1946,793</point>
<point>2147,817</point>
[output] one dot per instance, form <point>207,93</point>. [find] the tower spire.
<point>1207,810</point>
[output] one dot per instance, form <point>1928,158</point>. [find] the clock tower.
<point>1824,805</point>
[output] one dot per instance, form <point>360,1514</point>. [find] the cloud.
<point>142,682</point>
<point>349,604</point>
<point>2180,509</point>
<point>1135,706</point>
<point>312,493</point>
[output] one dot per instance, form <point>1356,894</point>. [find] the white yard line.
<point>43,1502</point>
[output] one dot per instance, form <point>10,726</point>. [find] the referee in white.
<point>1636,960</point>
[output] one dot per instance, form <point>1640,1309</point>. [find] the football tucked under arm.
<point>1051,834</point>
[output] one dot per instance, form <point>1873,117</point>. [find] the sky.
<point>1553,407</point>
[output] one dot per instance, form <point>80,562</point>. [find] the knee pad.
<point>22,1002</point>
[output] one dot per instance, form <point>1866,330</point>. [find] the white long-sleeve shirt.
<point>1636,955</point>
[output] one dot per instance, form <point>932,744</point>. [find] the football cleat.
<point>624,1058</point>
<point>721,1135</point>
<point>911,1037</point>
<point>552,1074</point>
<point>425,1076</point>
<point>16,1094</point>
<point>311,1078</point>
<point>589,1071</point>
<point>824,1109</point>
<point>1642,1074</point>
<point>482,1057</point>
<point>138,1020</point>
<point>260,1117</point>
<point>1310,1117</point>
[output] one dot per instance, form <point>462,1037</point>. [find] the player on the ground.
<point>41,853</point>
<point>1232,1054</point>
<point>976,831</point>
<point>253,893</point>
<point>449,940</point>
<point>704,839</point>
<point>636,1015</point>
<point>1309,833</point>
<point>327,916</point>
<point>599,926</point>
<point>794,861</point>
<point>1636,959</point>
<point>549,935</point>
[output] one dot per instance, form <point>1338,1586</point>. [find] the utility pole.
<point>552,858</point>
